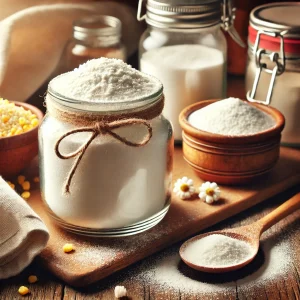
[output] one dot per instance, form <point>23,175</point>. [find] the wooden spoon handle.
<point>280,212</point>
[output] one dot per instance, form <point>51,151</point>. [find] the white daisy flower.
<point>209,192</point>
<point>184,187</point>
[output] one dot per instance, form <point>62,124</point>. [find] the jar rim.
<point>262,19</point>
<point>113,25</point>
<point>105,106</point>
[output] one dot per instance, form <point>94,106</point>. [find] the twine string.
<point>100,128</point>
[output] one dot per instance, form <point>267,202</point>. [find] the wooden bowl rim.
<point>34,110</point>
<point>225,139</point>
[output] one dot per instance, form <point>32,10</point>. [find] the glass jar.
<point>273,69</point>
<point>93,37</point>
<point>185,48</point>
<point>117,188</point>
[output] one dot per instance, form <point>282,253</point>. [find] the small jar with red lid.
<point>273,69</point>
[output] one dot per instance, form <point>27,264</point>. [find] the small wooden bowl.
<point>17,151</point>
<point>230,159</point>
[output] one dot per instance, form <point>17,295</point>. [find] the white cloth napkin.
<point>32,40</point>
<point>22,233</point>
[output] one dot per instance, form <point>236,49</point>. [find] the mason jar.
<point>93,37</point>
<point>273,69</point>
<point>185,48</point>
<point>105,166</point>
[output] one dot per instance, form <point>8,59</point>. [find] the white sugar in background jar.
<point>185,48</point>
<point>189,73</point>
<point>121,185</point>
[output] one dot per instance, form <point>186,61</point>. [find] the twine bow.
<point>100,128</point>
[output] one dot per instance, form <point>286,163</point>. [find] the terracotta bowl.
<point>230,159</point>
<point>17,151</point>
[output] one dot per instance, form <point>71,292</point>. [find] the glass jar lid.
<point>190,14</point>
<point>276,27</point>
<point>277,17</point>
<point>183,14</point>
<point>102,29</point>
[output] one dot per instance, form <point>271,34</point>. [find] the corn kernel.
<point>23,290</point>
<point>25,127</point>
<point>18,131</point>
<point>5,118</point>
<point>11,184</point>
<point>26,185</point>
<point>25,195</point>
<point>35,122</point>
<point>22,121</point>
<point>32,279</point>
<point>21,179</point>
<point>36,179</point>
<point>68,248</point>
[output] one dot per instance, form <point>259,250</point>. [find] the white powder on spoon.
<point>217,250</point>
<point>232,117</point>
<point>105,80</point>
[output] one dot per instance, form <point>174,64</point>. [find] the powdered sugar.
<point>217,250</point>
<point>232,117</point>
<point>105,79</point>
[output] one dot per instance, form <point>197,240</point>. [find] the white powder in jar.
<point>115,185</point>
<point>105,80</point>
<point>232,117</point>
<point>218,250</point>
<point>189,73</point>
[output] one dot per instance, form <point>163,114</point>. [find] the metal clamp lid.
<point>228,21</point>
<point>277,58</point>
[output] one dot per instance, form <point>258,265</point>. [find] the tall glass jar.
<point>96,178</point>
<point>273,70</point>
<point>93,37</point>
<point>185,48</point>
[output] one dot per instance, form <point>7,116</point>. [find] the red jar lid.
<point>276,18</point>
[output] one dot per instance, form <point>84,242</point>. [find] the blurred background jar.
<point>273,70</point>
<point>237,56</point>
<point>93,37</point>
<point>185,48</point>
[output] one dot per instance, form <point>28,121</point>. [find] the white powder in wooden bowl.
<point>217,250</point>
<point>232,117</point>
<point>105,79</point>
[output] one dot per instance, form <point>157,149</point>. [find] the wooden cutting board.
<point>95,258</point>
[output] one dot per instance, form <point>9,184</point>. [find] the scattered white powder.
<point>165,273</point>
<point>189,73</point>
<point>217,250</point>
<point>232,117</point>
<point>105,79</point>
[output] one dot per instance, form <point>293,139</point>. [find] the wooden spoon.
<point>249,233</point>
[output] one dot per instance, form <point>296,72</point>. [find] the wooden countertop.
<point>285,286</point>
